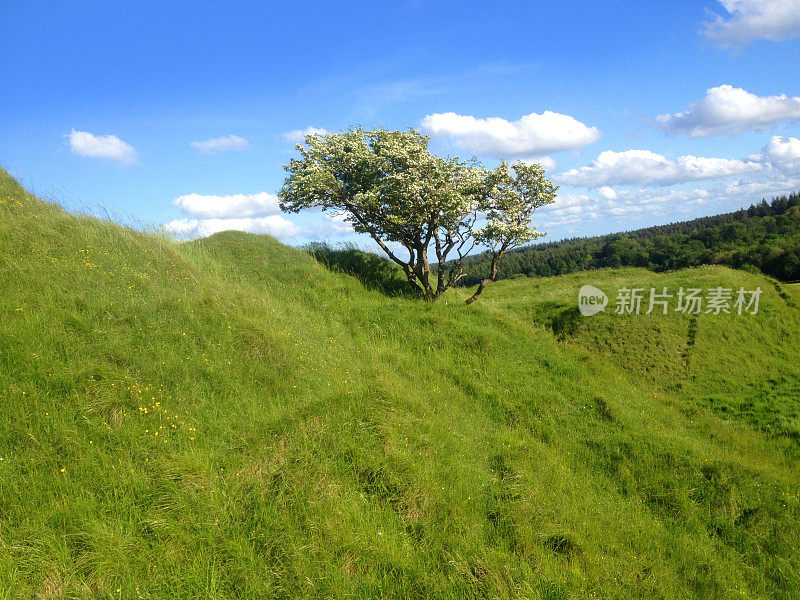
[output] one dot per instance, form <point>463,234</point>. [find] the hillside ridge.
<point>228,418</point>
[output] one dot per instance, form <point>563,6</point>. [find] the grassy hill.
<point>731,364</point>
<point>228,418</point>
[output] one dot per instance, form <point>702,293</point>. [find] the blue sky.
<point>183,113</point>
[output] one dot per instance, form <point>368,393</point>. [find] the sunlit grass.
<point>230,419</point>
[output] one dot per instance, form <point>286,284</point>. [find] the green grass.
<point>742,367</point>
<point>793,289</point>
<point>230,419</point>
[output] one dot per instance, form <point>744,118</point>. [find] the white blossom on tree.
<point>388,185</point>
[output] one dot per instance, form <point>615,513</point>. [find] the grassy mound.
<point>230,419</point>
<point>742,367</point>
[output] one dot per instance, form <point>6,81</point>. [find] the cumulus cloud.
<point>607,193</point>
<point>222,144</point>
<point>532,135</point>
<point>640,207</point>
<point>756,190</point>
<point>546,162</point>
<point>781,153</point>
<point>226,207</point>
<point>299,135</point>
<point>634,200</point>
<point>643,166</point>
<point>101,146</point>
<point>748,20</point>
<point>274,225</point>
<point>773,172</point>
<point>728,110</point>
<point>568,209</point>
<point>208,214</point>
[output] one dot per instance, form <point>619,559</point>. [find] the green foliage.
<point>764,238</point>
<point>510,203</point>
<point>229,418</point>
<point>388,185</point>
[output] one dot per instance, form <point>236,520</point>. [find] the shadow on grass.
<point>375,272</point>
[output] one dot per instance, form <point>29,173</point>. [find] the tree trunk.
<point>478,292</point>
<point>492,274</point>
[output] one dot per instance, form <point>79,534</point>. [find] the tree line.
<point>763,238</point>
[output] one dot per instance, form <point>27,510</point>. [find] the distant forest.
<point>765,237</point>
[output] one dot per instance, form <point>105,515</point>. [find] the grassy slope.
<point>793,289</point>
<point>743,368</point>
<point>228,419</point>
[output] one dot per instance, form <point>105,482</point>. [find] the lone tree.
<point>388,185</point>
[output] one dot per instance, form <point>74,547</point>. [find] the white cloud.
<point>781,153</point>
<point>581,208</point>
<point>532,135</point>
<point>297,136</point>
<point>756,190</point>
<point>208,214</point>
<point>102,146</point>
<point>569,208</point>
<point>205,215</point>
<point>607,193</point>
<point>643,166</point>
<point>546,162</point>
<point>222,144</point>
<point>274,225</point>
<point>228,207</point>
<point>330,225</point>
<point>728,110</point>
<point>632,208</point>
<point>774,172</point>
<point>641,197</point>
<point>642,206</point>
<point>747,20</point>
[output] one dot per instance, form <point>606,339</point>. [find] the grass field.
<point>229,418</point>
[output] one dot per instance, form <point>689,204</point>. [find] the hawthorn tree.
<point>388,185</point>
